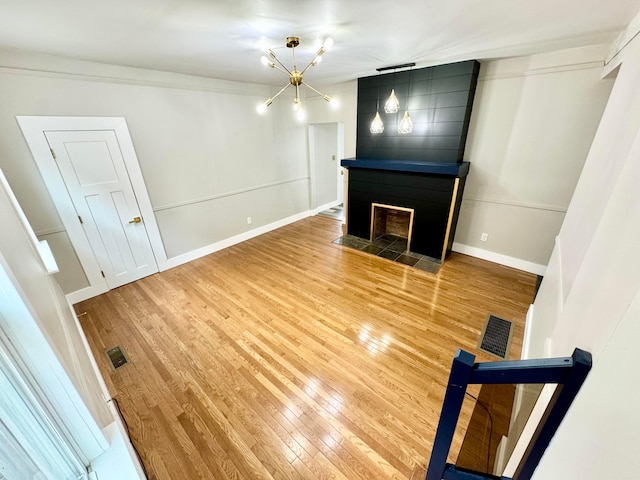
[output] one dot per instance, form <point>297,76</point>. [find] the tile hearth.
<point>392,248</point>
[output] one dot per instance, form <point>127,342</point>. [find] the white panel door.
<point>95,175</point>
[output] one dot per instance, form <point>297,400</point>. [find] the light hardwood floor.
<point>288,356</point>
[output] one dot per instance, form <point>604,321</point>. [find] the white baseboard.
<point>86,293</point>
<point>326,206</point>
<point>89,292</point>
<point>120,460</point>
<point>500,258</point>
<point>228,242</point>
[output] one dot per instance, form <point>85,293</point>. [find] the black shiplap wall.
<point>439,104</point>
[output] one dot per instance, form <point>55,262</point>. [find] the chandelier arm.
<point>282,90</point>
<point>311,64</point>
<point>314,62</point>
<point>317,91</point>
<point>281,64</point>
<point>280,69</point>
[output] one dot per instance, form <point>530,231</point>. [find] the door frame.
<point>33,128</point>
<point>313,184</point>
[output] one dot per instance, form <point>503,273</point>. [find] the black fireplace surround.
<point>422,170</point>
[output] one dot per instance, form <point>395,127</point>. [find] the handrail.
<point>568,372</point>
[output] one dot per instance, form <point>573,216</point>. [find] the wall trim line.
<point>536,206</point>
<point>50,231</point>
<point>174,84</point>
<point>228,194</point>
<point>543,71</point>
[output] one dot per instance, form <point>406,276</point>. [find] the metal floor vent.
<point>496,336</point>
<point>117,357</point>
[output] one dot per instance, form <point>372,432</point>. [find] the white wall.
<point>532,124</point>
<point>591,297</point>
<point>318,111</point>
<point>41,327</point>
<point>208,159</point>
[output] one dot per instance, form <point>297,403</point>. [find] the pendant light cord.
<point>378,98</point>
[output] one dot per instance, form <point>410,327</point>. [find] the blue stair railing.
<point>569,373</point>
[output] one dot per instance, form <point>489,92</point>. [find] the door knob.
<point>135,220</point>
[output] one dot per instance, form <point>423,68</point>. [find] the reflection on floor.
<point>393,248</point>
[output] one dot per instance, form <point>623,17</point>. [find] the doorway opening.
<point>326,149</point>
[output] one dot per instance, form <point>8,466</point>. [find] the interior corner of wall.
<point>560,277</point>
<point>613,59</point>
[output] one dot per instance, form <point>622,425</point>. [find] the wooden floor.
<point>288,356</point>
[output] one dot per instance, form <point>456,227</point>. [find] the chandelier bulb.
<point>392,104</point>
<point>266,62</point>
<point>296,104</point>
<point>406,125</point>
<point>377,126</point>
<point>328,43</point>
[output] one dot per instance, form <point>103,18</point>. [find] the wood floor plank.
<point>290,357</point>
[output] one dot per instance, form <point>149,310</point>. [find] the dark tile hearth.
<point>392,248</point>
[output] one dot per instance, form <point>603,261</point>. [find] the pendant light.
<point>406,125</point>
<point>392,104</point>
<point>376,125</point>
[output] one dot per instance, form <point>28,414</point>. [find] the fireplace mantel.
<point>450,169</point>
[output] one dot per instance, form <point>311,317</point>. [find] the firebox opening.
<point>391,220</point>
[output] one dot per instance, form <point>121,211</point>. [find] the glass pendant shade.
<point>406,125</point>
<point>377,126</point>
<point>392,104</point>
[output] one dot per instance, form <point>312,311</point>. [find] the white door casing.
<point>34,129</point>
<point>96,178</point>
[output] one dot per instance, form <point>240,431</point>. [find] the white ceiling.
<point>222,38</point>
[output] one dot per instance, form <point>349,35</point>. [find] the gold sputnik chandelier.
<point>295,76</point>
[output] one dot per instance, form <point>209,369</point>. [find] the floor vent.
<point>496,336</point>
<point>117,357</point>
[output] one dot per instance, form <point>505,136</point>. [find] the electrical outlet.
<point>484,237</point>
<point>248,220</point>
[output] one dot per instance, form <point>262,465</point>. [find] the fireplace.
<point>390,220</point>
<point>411,186</point>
